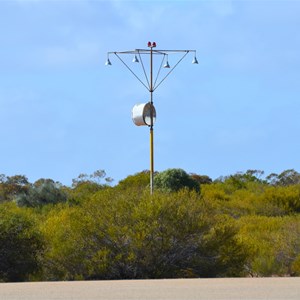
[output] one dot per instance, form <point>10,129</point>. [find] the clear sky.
<point>63,112</point>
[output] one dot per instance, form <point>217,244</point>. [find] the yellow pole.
<point>151,124</point>
<point>151,161</point>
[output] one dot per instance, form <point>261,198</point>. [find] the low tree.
<point>42,192</point>
<point>20,244</point>
<point>10,186</point>
<point>138,181</point>
<point>83,191</point>
<point>96,177</point>
<point>201,179</point>
<point>172,180</point>
<point>241,180</point>
<point>285,178</point>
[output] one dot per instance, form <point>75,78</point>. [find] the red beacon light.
<point>151,45</point>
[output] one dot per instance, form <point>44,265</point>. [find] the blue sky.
<point>63,112</point>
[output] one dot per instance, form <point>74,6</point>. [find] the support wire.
<point>132,72</point>
<point>155,87</point>
<point>162,61</point>
<point>141,60</point>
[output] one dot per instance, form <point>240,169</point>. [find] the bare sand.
<point>168,289</point>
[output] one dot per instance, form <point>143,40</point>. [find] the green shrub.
<point>172,180</point>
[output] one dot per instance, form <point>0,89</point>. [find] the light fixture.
<point>195,61</point>
<point>142,114</point>
<point>166,65</point>
<point>108,63</point>
<point>135,59</point>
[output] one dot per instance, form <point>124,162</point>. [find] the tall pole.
<point>150,86</point>
<point>151,123</point>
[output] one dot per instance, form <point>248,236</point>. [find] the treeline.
<point>245,224</point>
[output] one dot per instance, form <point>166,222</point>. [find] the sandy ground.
<point>208,289</point>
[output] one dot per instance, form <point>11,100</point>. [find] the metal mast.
<point>146,114</point>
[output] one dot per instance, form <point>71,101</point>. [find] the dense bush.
<point>117,236</point>
<point>275,244</point>
<point>20,244</point>
<point>42,193</point>
<point>138,181</point>
<point>172,180</point>
<point>238,225</point>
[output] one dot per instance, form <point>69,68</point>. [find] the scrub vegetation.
<point>245,224</point>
